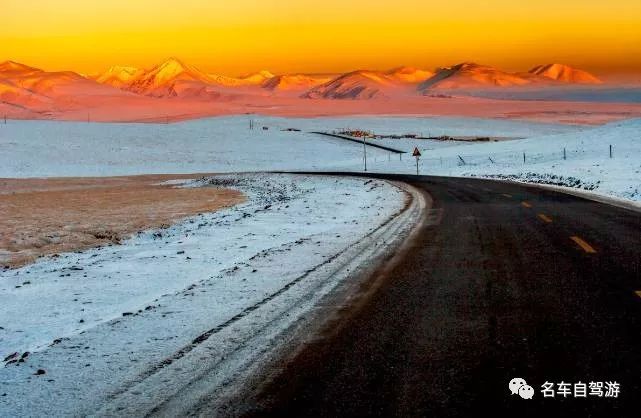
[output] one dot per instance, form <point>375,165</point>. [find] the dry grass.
<point>48,216</point>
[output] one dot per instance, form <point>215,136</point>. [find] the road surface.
<point>369,143</point>
<point>503,281</point>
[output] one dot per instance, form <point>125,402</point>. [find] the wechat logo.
<point>520,387</point>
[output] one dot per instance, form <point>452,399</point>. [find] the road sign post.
<point>364,153</point>
<point>416,154</point>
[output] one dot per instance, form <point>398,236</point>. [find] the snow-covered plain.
<point>225,144</point>
<point>102,321</point>
<point>587,164</point>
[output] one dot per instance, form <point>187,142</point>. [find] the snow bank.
<point>102,321</point>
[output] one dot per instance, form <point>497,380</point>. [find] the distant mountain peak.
<point>374,76</point>
<point>470,75</point>
<point>262,73</point>
<point>162,78</point>
<point>406,74</point>
<point>359,84</point>
<point>402,69</point>
<point>257,78</point>
<point>119,76</point>
<point>564,73</point>
<point>173,66</point>
<point>173,61</point>
<point>118,69</point>
<point>296,82</point>
<point>12,66</point>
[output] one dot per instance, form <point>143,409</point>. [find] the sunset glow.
<point>313,36</point>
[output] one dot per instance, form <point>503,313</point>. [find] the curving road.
<point>502,281</point>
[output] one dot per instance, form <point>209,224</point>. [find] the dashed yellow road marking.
<point>638,293</point>
<point>545,218</point>
<point>584,245</point>
<point>507,195</point>
<point>526,204</point>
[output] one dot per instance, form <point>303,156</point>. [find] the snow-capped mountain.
<point>119,76</point>
<point>295,82</point>
<point>355,85</point>
<point>409,75</point>
<point>471,75</point>
<point>565,73</point>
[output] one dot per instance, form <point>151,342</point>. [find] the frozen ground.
<point>225,144</point>
<point>105,324</point>
<point>587,164</point>
<point>122,326</point>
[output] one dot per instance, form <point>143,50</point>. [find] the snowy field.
<point>126,326</point>
<point>225,144</point>
<point>102,323</point>
<point>587,164</point>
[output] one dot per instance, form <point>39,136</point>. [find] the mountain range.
<point>31,89</point>
<point>175,78</point>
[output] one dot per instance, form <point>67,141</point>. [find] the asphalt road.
<point>504,281</point>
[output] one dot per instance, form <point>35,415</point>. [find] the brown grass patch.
<point>48,216</point>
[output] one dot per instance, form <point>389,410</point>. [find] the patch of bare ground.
<point>47,216</point>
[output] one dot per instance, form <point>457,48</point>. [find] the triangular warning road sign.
<point>416,152</point>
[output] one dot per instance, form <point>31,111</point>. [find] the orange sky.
<point>240,36</point>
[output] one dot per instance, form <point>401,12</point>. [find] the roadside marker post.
<point>364,153</point>
<point>416,154</point>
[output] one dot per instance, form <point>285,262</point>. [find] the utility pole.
<point>364,152</point>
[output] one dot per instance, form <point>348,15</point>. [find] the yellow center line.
<point>507,195</point>
<point>526,204</point>
<point>638,293</point>
<point>584,245</point>
<point>545,218</point>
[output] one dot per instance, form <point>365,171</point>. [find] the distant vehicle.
<point>265,128</point>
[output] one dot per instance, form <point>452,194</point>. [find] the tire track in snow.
<point>245,312</point>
